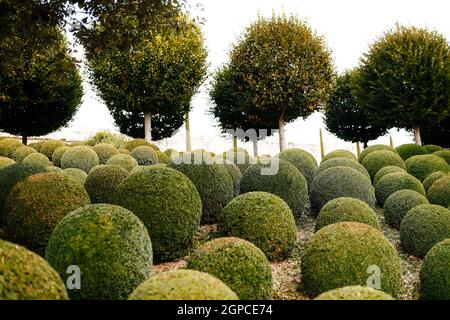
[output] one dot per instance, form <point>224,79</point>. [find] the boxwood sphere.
<point>346,210</point>
<point>340,182</point>
<point>49,146</point>
<point>183,285</point>
<point>105,151</point>
<point>124,161</point>
<point>241,159</point>
<point>385,171</point>
<point>343,254</point>
<point>109,244</point>
<point>80,157</point>
<point>263,219</point>
<point>145,156</point>
<point>288,183</point>
<point>342,162</point>
<point>77,174</point>
<point>375,147</point>
<point>38,159</point>
<point>399,203</point>
<point>168,204</point>
<point>340,153</point>
<point>4,162</point>
<point>444,154</point>
<point>303,161</point>
<point>22,152</point>
<point>102,182</point>
<point>380,159</point>
<point>57,155</point>
<point>393,182</point>
<point>124,151</point>
<point>407,151</point>
<point>354,293</point>
<point>432,178</point>
<point>26,276</point>
<point>431,148</point>
<point>238,263</point>
<point>37,204</point>
<point>130,145</point>
<point>162,157</point>
<point>423,227</point>
<point>435,273</point>
<point>8,146</point>
<point>439,192</point>
<point>236,176</point>
<point>56,169</point>
<point>212,180</point>
<point>424,165</point>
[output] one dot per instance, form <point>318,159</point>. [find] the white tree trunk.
<point>188,133</point>
<point>255,147</point>
<point>281,134</point>
<point>148,126</point>
<point>417,137</point>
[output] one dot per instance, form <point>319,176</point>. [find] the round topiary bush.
<point>26,276</point>
<point>380,159</point>
<point>439,192</point>
<point>57,169</point>
<point>241,159</point>
<point>170,151</point>
<point>124,151</point>
<point>168,204</point>
<point>238,263</point>
<point>81,157</point>
<point>385,171</point>
<point>424,165</point>
<point>432,178</point>
<point>423,227</point>
<point>346,210</point>
<point>286,181</point>
<point>346,254</point>
<point>57,155</point>
<point>444,154</point>
<point>431,148</point>
<point>8,146</point>
<point>407,151</point>
<point>22,152</point>
<point>342,162</point>
<point>340,182</point>
<point>47,147</point>
<point>4,162</point>
<point>130,145</point>
<point>183,285</point>
<point>105,151</point>
<point>354,293</point>
<point>102,182</point>
<point>396,181</point>
<point>375,147</point>
<point>162,157</point>
<point>77,174</point>
<point>399,203</point>
<point>212,180</point>
<point>263,219</point>
<point>124,161</point>
<point>340,153</point>
<point>37,159</point>
<point>37,204</point>
<point>236,176</point>
<point>435,273</point>
<point>145,156</point>
<point>303,161</point>
<point>109,244</point>
<point>35,145</point>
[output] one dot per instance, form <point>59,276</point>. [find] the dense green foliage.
<point>430,148</point>
<point>354,293</point>
<point>22,152</point>
<point>57,155</point>
<point>8,146</point>
<point>375,147</point>
<point>439,192</point>
<point>435,273</point>
<point>145,156</point>
<point>424,165</point>
<point>37,159</point>
<point>407,151</point>
<point>303,161</point>
<point>396,181</point>
<point>380,159</point>
<point>342,162</point>
<point>432,178</point>
<point>134,143</point>
<point>399,203</point>
<point>124,161</point>
<point>340,153</point>
<point>102,181</point>
<point>4,162</point>
<point>76,174</point>
<point>236,176</point>
<point>385,171</point>
<point>105,151</point>
<point>80,157</point>
<point>47,147</point>
<point>444,154</point>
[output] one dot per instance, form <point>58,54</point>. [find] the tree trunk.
<point>417,137</point>
<point>322,147</point>
<point>188,133</point>
<point>25,139</point>
<point>391,141</point>
<point>365,144</point>
<point>281,133</point>
<point>255,147</point>
<point>234,143</point>
<point>358,149</point>
<point>148,126</point>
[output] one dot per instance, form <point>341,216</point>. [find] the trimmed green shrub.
<point>35,145</point>
<point>263,219</point>
<point>423,227</point>
<point>57,155</point>
<point>431,148</point>
<point>377,160</point>
<point>204,152</point>
<point>432,178</point>
<point>340,182</point>
<point>162,157</point>
<point>170,151</point>
<point>102,182</point>
<point>109,244</point>
<point>346,210</point>
<point>183,285</point>
<point>47,147</point>
<point>124,151</point>
<point>288,183</point>
<point>8,146</point>
<point>236,176</point>
<point>345,254</point>
<point>241,159</point>
<point>168,204</point>
<point>76,144</point>
<point>130,145</point>
<point>342,162</point>
<point>145,156</point>
<point>124,161</point>
<point>118,140</point>
<point>399,203</point>
<point>238,263</point>
<point>393,182</point>
<point>38,159</point>
<point>22,152</point>
<point>77,174</point>
<point>212,180</point>
<point>407,151</point>
<point>375,147</point>
<point>424,165</point>
<point>4,162</point>
<point>340,153</point>
<point>303,161</point>
<point>444,154</point>
<point>435,273</point>
<point>37,204</point>
<point>57,169</point>
<point>385,171</point>
<point>26,276</point>
<point>81,157</point>
<point>105,151</point>
<point>354,293</point>
<point>439,192</point>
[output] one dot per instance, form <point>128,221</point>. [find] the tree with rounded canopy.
<point>344,117</point>
<point>437,133</point>
<point>282,70</point>
<point>404,79</point>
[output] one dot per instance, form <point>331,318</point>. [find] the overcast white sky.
<point>349,26</point>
